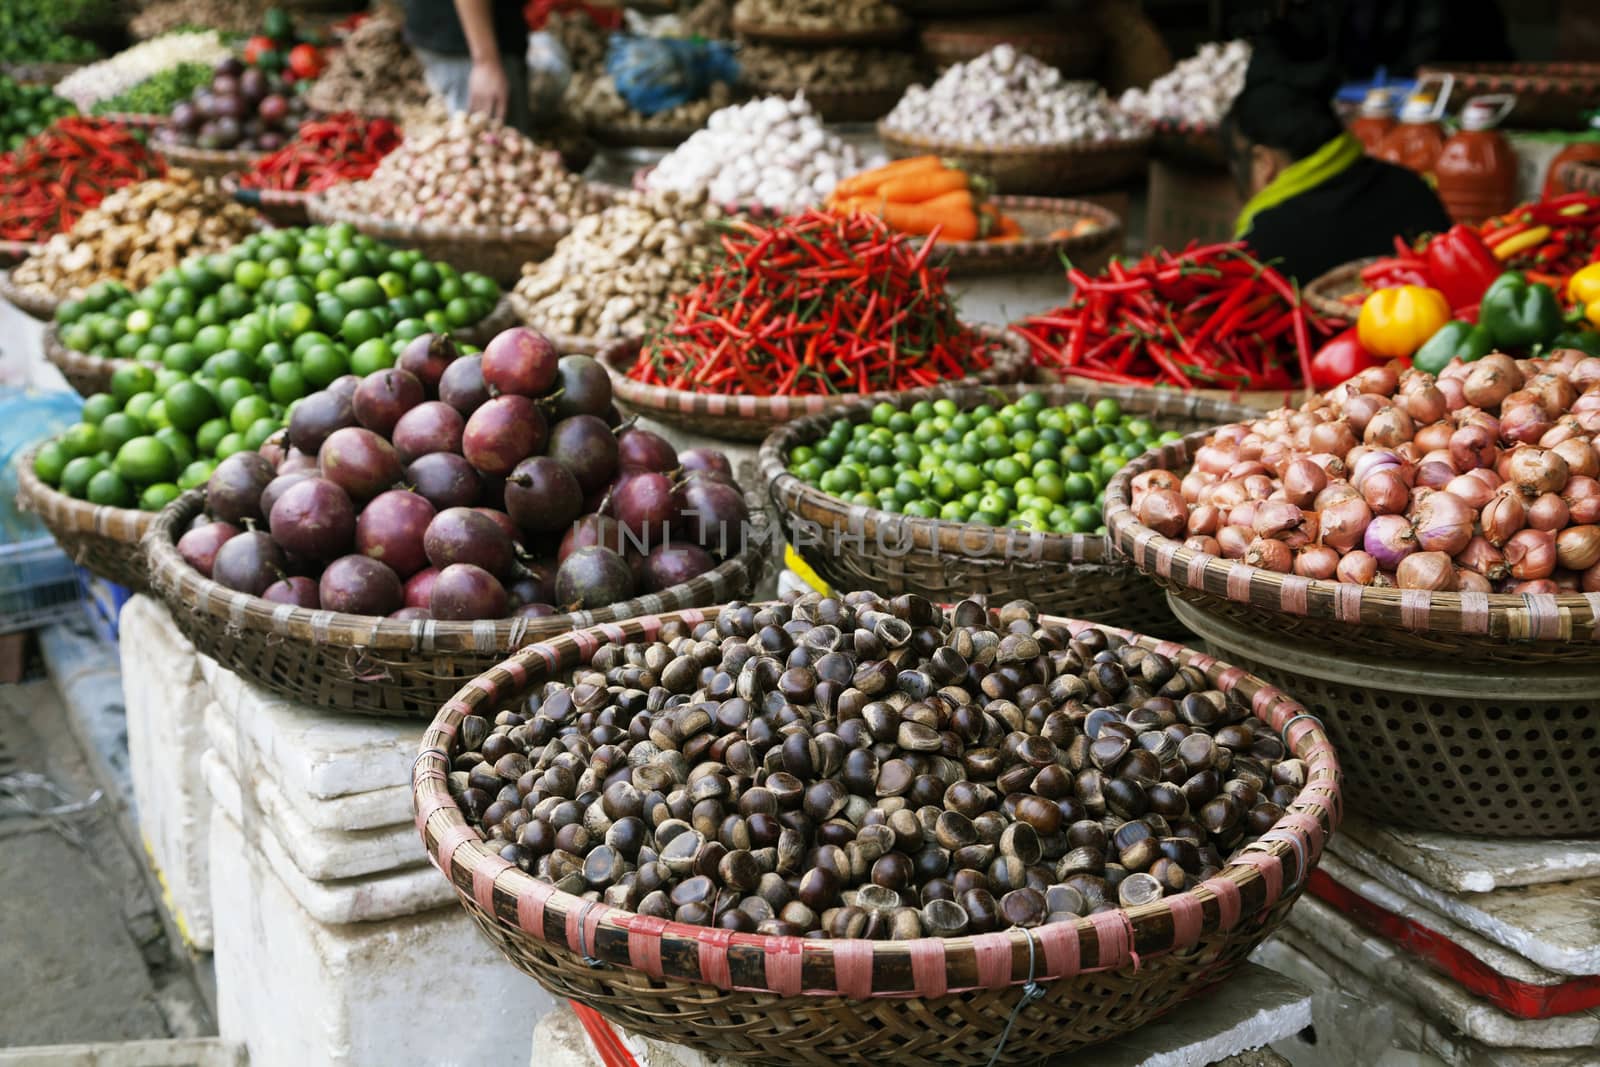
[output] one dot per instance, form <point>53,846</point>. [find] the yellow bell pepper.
<point>1396,322</point>
<point>1584,287</point>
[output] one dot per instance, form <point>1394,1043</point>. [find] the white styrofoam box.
<point>425,989</point>
<point>353,811</point>
<point>322,855</point>
<point>1452,863</point>
<point>165,695</point>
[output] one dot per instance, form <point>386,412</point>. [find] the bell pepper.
<point>1460,265</point>
<point>1583,291</point>
<point>1518,313</point>
<point>1340,359</point>
<point>1395,322</point>
<point>1455,340</point>
<point>1585,341</point>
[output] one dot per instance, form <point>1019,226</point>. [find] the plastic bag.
<point>549,72</point>
<point>653,75</point>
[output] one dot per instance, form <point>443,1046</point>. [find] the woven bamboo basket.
<point>1184,142</point>
<point>378,666</point>
<point>1036,250</point>
<point>855,547</point>
<point>102,540</point>
<point>207,162</point>
<point>840,105</point>
<point>731,417</point>
<point>801,37</point>
<point>1338,293</point>
<point>827,1002</point>
<point>1427,746</point>
<point>1548,95</point>
<point>1537,628</point>
<point>1038,170</point>
<point>30,302</point>
<point>496,251</point>
<point>86,373</point>
<point>282,207</point>
<point>12,252</point>
<point>1071,46</point>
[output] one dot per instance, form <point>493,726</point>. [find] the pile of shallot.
<point>1482,480</point>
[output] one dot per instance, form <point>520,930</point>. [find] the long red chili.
<point>48,183</point>
<point>340,148</point>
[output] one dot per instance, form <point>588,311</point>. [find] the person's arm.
<point>486,86</point>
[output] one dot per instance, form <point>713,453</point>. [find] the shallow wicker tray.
<point>1073,46</point>
<point>749,418</point>
<point>207,162</point>
<point>856,547</point>
<point>1039,170</point>
<point>30,302</point>
<point>498,252</point>
<point>1326,293</point>
<point>375,666</point>
<point>1038,215</point>
<point>831,38</point>
<point>281,207</point>
<point>1424,745</point>
<point>1555,94</point>
<point>1409,624</point>
<point>86,373</point>
<point>1183,142</point>
<point>827,1002</point>
<point>12,252</point>
<point>102,540</point>
<point>840,105</point>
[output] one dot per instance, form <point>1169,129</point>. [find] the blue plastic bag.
<point>654,74</point>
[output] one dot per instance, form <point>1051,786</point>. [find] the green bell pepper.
<point>1585,341</point>
<point>1453,340</point>
<point>1518,314</point>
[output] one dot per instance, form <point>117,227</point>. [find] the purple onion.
<point>1390,539</point>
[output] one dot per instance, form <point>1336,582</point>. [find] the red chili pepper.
<point>340,148</point>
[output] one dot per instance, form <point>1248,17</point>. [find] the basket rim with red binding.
<point>1531,621</point>
<point>1249,883</point>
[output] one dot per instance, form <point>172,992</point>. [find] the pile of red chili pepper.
<point>340,148</point>
<point>1210,316</point>
<point>815,304</point>
<point>1547,241</point>
<point>53,178</point>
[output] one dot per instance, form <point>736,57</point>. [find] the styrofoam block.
<point>1555,925</point>
<point>353,811</point>
<point>322,855</point>
<point>1315,923</point>
<point>164,695</point>
<point>426,989</point>
<point>1452,863</point>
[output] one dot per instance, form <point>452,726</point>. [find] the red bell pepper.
<point>1461,266</point>
<point>1341,359</point>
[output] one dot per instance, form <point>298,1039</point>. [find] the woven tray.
<point>1327,293</point>
<point>749,418</point>
<point>206,162</point>
<point>855,547</point>
<point>1424,746</point>
<point>13,252</point>
<point>1183,142</point>
<point>374,666</point>
<point>826,1002</point>
<point>1072,46</point>
<point>86,373</point>
<point>500,253</point>
<point>282,207</point>
<point>800,37</point>
<point>1548,94</point>
<point>1344,618</point>
<point>104,541</point>
<point>31,302</point>
<point>1039,216</point>
<point>840,105</point>
<point>1032,169</point>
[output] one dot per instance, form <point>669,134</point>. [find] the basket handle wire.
<point>1031,991</point>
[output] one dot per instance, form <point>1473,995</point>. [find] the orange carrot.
<point>1010,227</point>
<point>868,181</point>
<point>922,185</point>
<point>956,222</point>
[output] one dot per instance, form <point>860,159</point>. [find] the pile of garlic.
<point>773,152</point>
<point>1006,97</point>
<point>1196,92</point>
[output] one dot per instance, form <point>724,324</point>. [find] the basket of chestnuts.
<point>832,830</point>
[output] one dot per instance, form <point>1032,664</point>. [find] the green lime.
<point>145,460</point>
<point>249,275</point>
<point>371,355</point>
<point>196,474</point>
<point>189,405</point>
<point>247,338</point>
<point>361,293</point>
<point>481,286</point>
<point>1107,410</point>
<point>327,279</point>
<point>423,275</point>
<point>306,341</point>
<point>156,415</point>
<point>158,496</point>
<point>292,320</point>
<point>79,336</point>
<point>287,383</point>
<point>130,380</point>
<point>231,390</point>
<point>272,353</point>
<point>82,439</point>
<point>109,489</point>
<point>182,356</point>
<point>257,433</point>
<point>76,474</point>
<point>178,443</point>
<point>231,443</point>
<point>459,312</point>
<point>98,406</point>
<point>322,364</point>
<point>118,429</point>
<point>209,433</point>
<point>49,462</point>
<point>361,324</point>
<point>70,310</point>
<point>246,410</point>
<point>210,340</point>
<point>409,329</point>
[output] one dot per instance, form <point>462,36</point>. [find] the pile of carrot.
<point>924,196</point>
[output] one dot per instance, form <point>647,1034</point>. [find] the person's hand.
<point>487,89</point>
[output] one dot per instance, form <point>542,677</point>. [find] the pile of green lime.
<point>223,345</point>
<point>25,110</point>
<point>1026,465</point>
